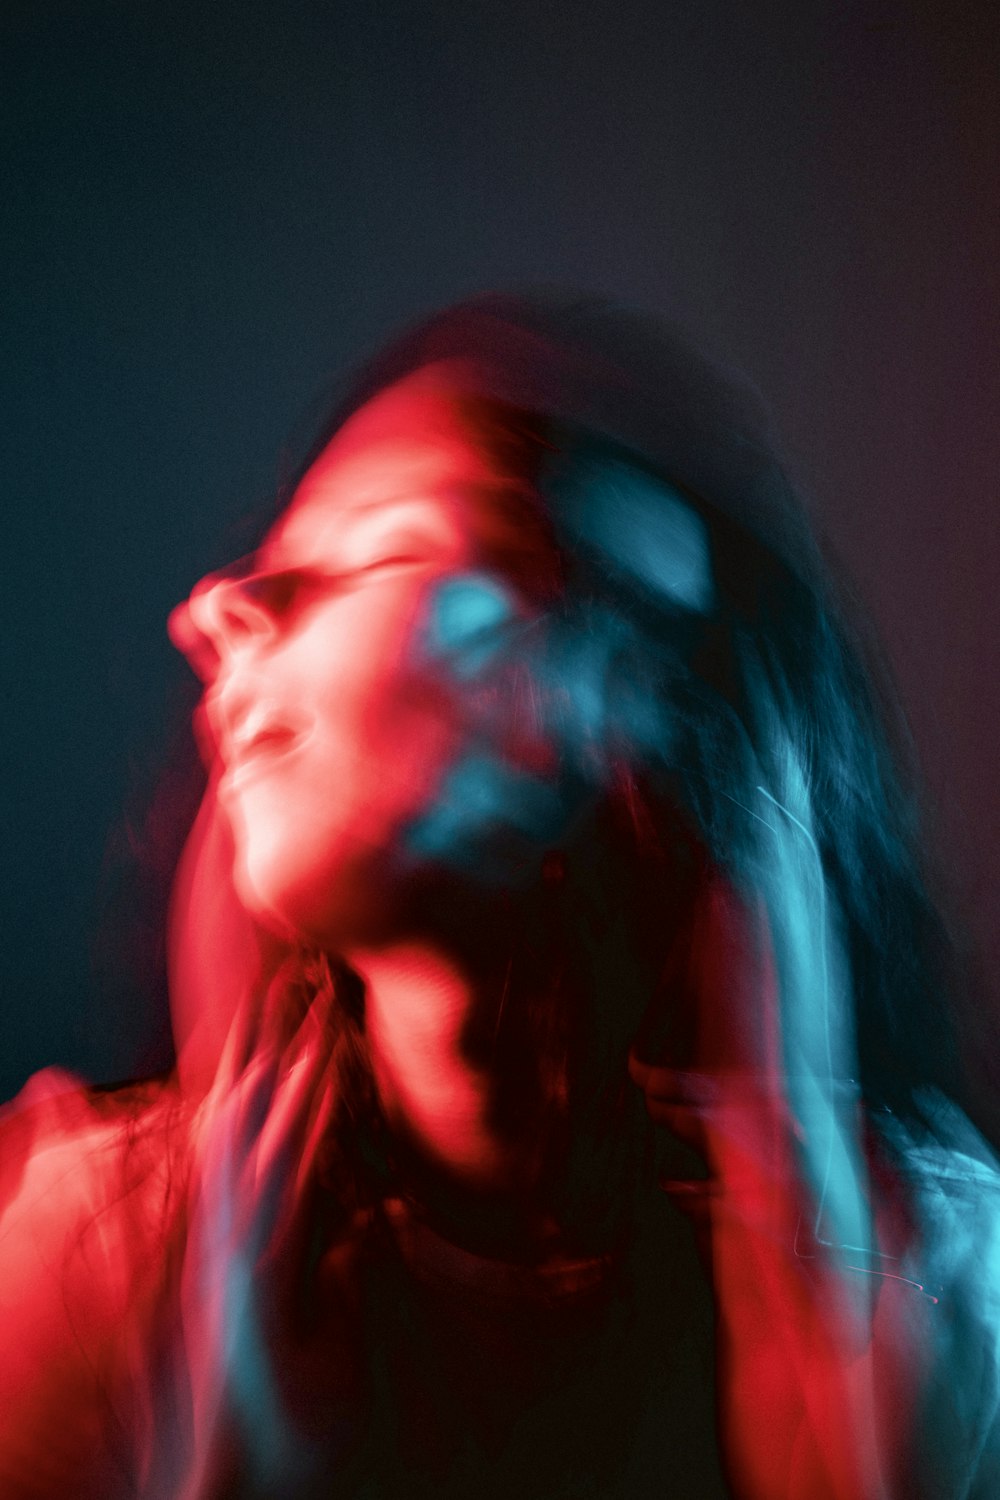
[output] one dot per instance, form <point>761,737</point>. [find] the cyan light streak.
<point>645,527</point>
<point>816,1025</point>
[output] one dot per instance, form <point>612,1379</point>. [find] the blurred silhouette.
<point>566,1102</point>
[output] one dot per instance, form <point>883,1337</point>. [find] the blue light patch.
<point>645,526</point>
<point>484,810</point>
<point>466,622</point>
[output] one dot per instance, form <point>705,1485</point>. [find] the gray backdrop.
<point>212,208</point>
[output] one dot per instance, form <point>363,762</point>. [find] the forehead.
<point>411,446</point>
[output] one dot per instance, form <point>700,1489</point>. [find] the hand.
<point>724,1060</point>
<point>218,954</point>
<point>708,1055</point>
<point>255,1142</point>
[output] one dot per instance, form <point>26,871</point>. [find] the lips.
<point>254,752</point>
<point>278,734</point>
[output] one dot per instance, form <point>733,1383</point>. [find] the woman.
<point>553,876</point>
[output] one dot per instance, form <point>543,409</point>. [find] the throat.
<point>489,1206</point>
<point>417,1008</point>
<point>467,1135</point>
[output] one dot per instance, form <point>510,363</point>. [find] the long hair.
<point>717,721</point>
<point>764,718</point>
<point>718,715</point>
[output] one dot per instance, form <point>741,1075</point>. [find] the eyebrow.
<point>455,490</point>
<point>483,490</point>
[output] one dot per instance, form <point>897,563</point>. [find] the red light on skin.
<point>333,731</point>
<point>218,955</point>
<point>367,732</point>
<point>416,1009</point>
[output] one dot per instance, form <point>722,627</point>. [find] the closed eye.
<point>288,590</point>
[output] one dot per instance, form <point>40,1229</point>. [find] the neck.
<point>418,1008</point>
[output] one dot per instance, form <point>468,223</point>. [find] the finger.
<point>252,1100</point>
<point>237,1049</point>
<point>319,1128</point>
<point>314,1028</point>
<point>701,1089</point>
<point>284,1133</point>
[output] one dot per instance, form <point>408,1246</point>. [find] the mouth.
<point>257,754</point>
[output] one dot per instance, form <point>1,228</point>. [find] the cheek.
<point>318,834</point>
<point>385,725</point>
<point>383,759</point>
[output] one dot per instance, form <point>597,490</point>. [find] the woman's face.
<point>333,718</point>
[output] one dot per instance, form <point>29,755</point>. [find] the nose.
<point>218,619</point>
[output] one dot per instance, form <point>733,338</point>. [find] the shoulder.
<point>952,1175</point>
<point>68,1150</point>
<point>86,1193</point>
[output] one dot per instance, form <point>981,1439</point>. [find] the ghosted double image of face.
<point>337,668</point>
<point>409,725</point>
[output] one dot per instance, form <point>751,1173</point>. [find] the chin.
<point>340,905</point>
<point>263,903</point>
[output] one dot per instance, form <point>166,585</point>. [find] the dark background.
<point>212,208</point>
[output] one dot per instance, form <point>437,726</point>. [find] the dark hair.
<point>718,719</point>
<point>739,725</point>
